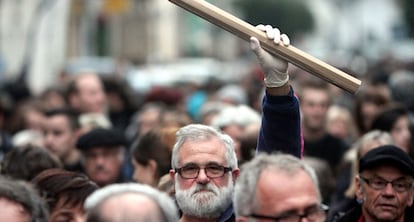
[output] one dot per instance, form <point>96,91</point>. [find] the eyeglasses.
<point>212,171</point>
<point>399,185</point>
<point>314,214</point>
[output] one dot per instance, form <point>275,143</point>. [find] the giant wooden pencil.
<point>291,54</point>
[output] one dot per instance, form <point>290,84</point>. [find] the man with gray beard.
<point>204,170</point>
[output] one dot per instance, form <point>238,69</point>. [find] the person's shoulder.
<point>334,141</point>
<point>340,208</point>
<point>409,213</point>
<point>352,215</point>
<point>228,215</point>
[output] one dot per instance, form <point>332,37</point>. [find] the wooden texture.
<point>291,54</point>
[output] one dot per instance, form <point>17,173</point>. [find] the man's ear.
<point>358,185</point>
<point>172,174</point>
<point>410,198</point>
<point>235,173</point>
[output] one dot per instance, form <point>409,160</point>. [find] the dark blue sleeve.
<point>280,130</point>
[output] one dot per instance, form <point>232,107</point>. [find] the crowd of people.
<point>276,146</point>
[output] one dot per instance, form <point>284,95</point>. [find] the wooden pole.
<point>291,54</point>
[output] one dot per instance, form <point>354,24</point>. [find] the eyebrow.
<point>380,177</point>
<point>207,164</point>
<point>295,211</point>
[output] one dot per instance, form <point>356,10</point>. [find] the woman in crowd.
<point>65,193</point>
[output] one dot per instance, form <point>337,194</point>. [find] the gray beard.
<point>207,204</point>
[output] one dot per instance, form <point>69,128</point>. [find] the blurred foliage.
<point>290,16</point>
<point>408,11</point>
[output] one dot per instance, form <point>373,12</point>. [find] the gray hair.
<point>24,194</point>
<point>199,132</point>
<point>401,84</point>
<point>245,188</point>
<point>166,205</point>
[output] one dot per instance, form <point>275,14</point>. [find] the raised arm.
<point>280,129</point>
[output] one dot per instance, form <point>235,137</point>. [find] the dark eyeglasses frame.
<point>322,208</point>
<point>223,169</point>
<point>386,182</point>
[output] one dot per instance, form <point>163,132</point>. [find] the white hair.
<point>199,132</point>
<point>163,201</point>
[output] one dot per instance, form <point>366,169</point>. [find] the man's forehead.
<point>201,155</point>
<point>211,146</point>
<point>296,191</point>
<point>201,163</point>
<point>57,122</point>
<point>101,149</point>
<point>387,169</point>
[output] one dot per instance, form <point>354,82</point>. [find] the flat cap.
<point>101,137</point>
<point>387,155</point>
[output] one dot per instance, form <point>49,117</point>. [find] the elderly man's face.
<point>103,165</point>
<point>284,195</point>
<point>389,203</point>
<point>203,196</point>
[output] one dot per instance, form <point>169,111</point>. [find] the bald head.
<point>130,207</point>
<point>86,93</point>
<point>130,202</point>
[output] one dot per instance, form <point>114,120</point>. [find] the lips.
<point>387,206</point>
<point>203,191</point>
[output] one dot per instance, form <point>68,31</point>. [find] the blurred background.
<point>154,42</point>
<point>162,66</point>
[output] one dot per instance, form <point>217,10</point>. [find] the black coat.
<point>354,214</point>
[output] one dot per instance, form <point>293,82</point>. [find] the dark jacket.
<point>280,129</point>
<point>354,214</point>
<point>338,209</point>
<point>228,215</point>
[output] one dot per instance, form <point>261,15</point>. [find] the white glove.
<point>274,68</point>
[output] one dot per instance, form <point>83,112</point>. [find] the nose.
<point>202,177</point>
<point>99,159</point>
<point>388,190</point>
<point>304,218</point>
<point>47,138</point>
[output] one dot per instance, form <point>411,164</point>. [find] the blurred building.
<point>41,36</point>
<point>144,31</point>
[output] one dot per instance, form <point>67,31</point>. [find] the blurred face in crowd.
<point>34,120</point>
<point>103,164</point>
<point>148,120</point>
<point>133,205</point>
<point>368,112</point>
<point>63,213</point>
<point>283,195</point>
<point>54,100</point>
<point>13,211</point>
<point>59,137</point>
<point>236,133</point>
<point>145,173</point>
<point>400,133</point>
<point>203,196</point>
<point>314,106</point>
<point>90,96</point>
<point>385,203</point>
